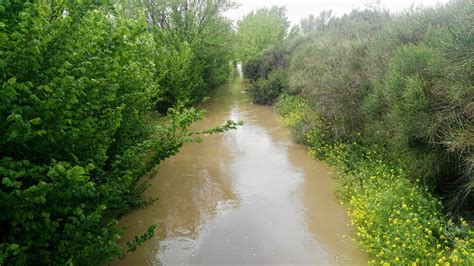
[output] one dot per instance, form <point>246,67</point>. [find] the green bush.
<point>403,101</point>
<point>266,91</point>
<point>78,83</point>
<point>194,42</point>
<point>261,65</point>
<point>182,80</point>
<point>424,116</point>
<point>330,74</point>
<point>66,91</point>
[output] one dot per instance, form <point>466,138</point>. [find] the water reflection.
<point>239,71</point>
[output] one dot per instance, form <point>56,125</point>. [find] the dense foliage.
<point>267,90</point>
<point>388,99</point>
<point>260,29</point>
<point>267,75</point>
<point>396,220</point>
<point>402,83</point>
<point>79,81</point>
<point>196,40</point>
<point>265,53</point>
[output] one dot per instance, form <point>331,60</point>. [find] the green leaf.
<point>40,132</point>
<point>11,81</point>
<point>35,121</point>
<point>7,181</point>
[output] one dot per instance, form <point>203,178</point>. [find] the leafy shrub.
<point>182,80</point>
<point>194,43</point>
<point>78,82</point>
<point>266,91</point>
<point>331,76</point>
<point>261,65</point>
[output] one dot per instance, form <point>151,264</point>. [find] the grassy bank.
<point>396,220</point>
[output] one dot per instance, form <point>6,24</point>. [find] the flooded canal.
<point>249,196</point>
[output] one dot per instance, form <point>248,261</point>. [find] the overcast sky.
<point>298,9</point>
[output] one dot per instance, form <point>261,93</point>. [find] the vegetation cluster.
<point>396,220</point>
<point>388,99</point>
<point>401,83</point>
<point>93,96</point>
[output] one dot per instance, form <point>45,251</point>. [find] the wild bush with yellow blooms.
<point>396,221</point>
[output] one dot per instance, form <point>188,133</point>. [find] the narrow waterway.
<point>249,196</point>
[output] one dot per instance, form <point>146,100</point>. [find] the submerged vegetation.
<point>80,86</point>
<point>388,100</point>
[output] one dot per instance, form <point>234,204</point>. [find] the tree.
<point>260,29</point>
<point>313,24</point>
<point>195,37</point>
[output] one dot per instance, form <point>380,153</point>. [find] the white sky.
<point>298,9</point>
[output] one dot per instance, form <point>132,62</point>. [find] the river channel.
<point>249,196</point>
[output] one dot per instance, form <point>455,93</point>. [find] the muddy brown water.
<point>249,196</point>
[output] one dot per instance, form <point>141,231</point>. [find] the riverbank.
<point>396,220</point>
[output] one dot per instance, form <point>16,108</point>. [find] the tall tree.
<point>259,29</point>
<point>199,37</point>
